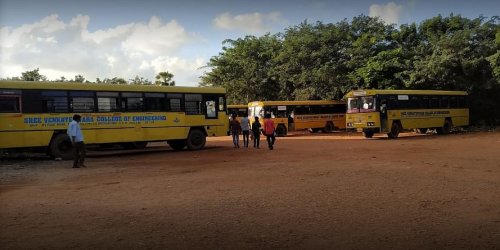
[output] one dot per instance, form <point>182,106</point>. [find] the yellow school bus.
<point>326,115</point>
<point>392,111</point>
<point>36,115</point>
<point>240,110</point>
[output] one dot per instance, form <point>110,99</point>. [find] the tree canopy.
<point>325,61</point>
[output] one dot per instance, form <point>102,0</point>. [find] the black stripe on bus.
<point>111,128</point>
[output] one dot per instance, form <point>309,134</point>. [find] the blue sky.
<point>129,38</point>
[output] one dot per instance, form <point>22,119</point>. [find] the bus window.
<point>272,110</point>
<point>107,102</point>
<point>260,111</point>
<point>414,102</point>
<point>154,102</point>
<point>82,101</point>
<point>281,112</point>
<point>434,104</point>
<point>424,102</point>
<point>174,102</point>
<point>242,112</point>
<point>353,105</point>
<point>132,101</point>
<point>444,102</point>
<point>367,104</point>
<point>210,112</point>
<point>10,104</point>
<point>339,108</point>
<point>54,101</point>
<point>193,104</point>
<point>461,102</point>
<point>299,110</point>
<point>393,102</point>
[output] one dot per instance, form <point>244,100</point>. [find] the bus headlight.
<point>371,124</point>
<point>349,124</point>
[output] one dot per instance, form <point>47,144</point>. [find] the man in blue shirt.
<point>76,137</point>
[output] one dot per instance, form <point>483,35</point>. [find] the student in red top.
<point>269,131</point>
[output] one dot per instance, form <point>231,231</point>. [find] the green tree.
<point>140,81</point>
<point>114,80</point>
<point>79,78</point>
<point>244,69</point>
<point>33,75</point>
<point>165,78</point>
<point>61,79</point>
<point>324,61</point>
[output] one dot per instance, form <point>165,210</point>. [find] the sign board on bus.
<point>281,108</point>
<point>403,97</point>
<point>359,93</point>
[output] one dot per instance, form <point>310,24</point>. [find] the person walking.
<point>269,131</point>
<point>235,128</point>
<point>256,128</point>
<point>75,135</point>
<point>245,128</point>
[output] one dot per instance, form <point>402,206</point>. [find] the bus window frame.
<point>124,101</point>
<point>205,98</point>
<point>159,98</point>
<point>19,103</point>
<point>108,94</point>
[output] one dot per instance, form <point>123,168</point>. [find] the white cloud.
<point>251,22</point>
<point>68,49</point>
<point>389,13</point>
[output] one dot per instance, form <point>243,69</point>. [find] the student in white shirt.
<point>76,137</point>
<point>245,128</point>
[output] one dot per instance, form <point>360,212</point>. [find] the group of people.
<point>256,128</point>
<point>76,136</point>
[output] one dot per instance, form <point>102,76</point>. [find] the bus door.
<point>382,106</point>
<point>290,114</point>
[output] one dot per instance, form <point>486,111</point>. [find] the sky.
<point>129,38</point>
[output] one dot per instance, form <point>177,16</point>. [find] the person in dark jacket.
<point>235,128</point>
<point>256,128</point>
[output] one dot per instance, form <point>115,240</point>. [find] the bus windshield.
<point>353,105</point>
<point>361,104</point>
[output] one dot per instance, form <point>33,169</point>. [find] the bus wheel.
<point>196,139</point>
<point>328,127</point>
<point>177,144</point>
<point>61,147</point>
<point>445,129</point>
<point>368,134</point>
<point>422,130</point>
<point>281,130</point>
<point>396,128</point>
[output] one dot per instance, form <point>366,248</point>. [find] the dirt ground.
<point>314,191</point>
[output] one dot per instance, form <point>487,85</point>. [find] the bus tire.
<point>281,130</point>
<point>177,144</point>
<point>368,134</point>
<point>395,129</point>
<point>328,127</point>
<point>422,130</point>
<point>314,130</point>
<point>61,147</point>
<point>446,129</point>
<point>196,139</point>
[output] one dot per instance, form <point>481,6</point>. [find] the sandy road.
<point>333,191</point>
